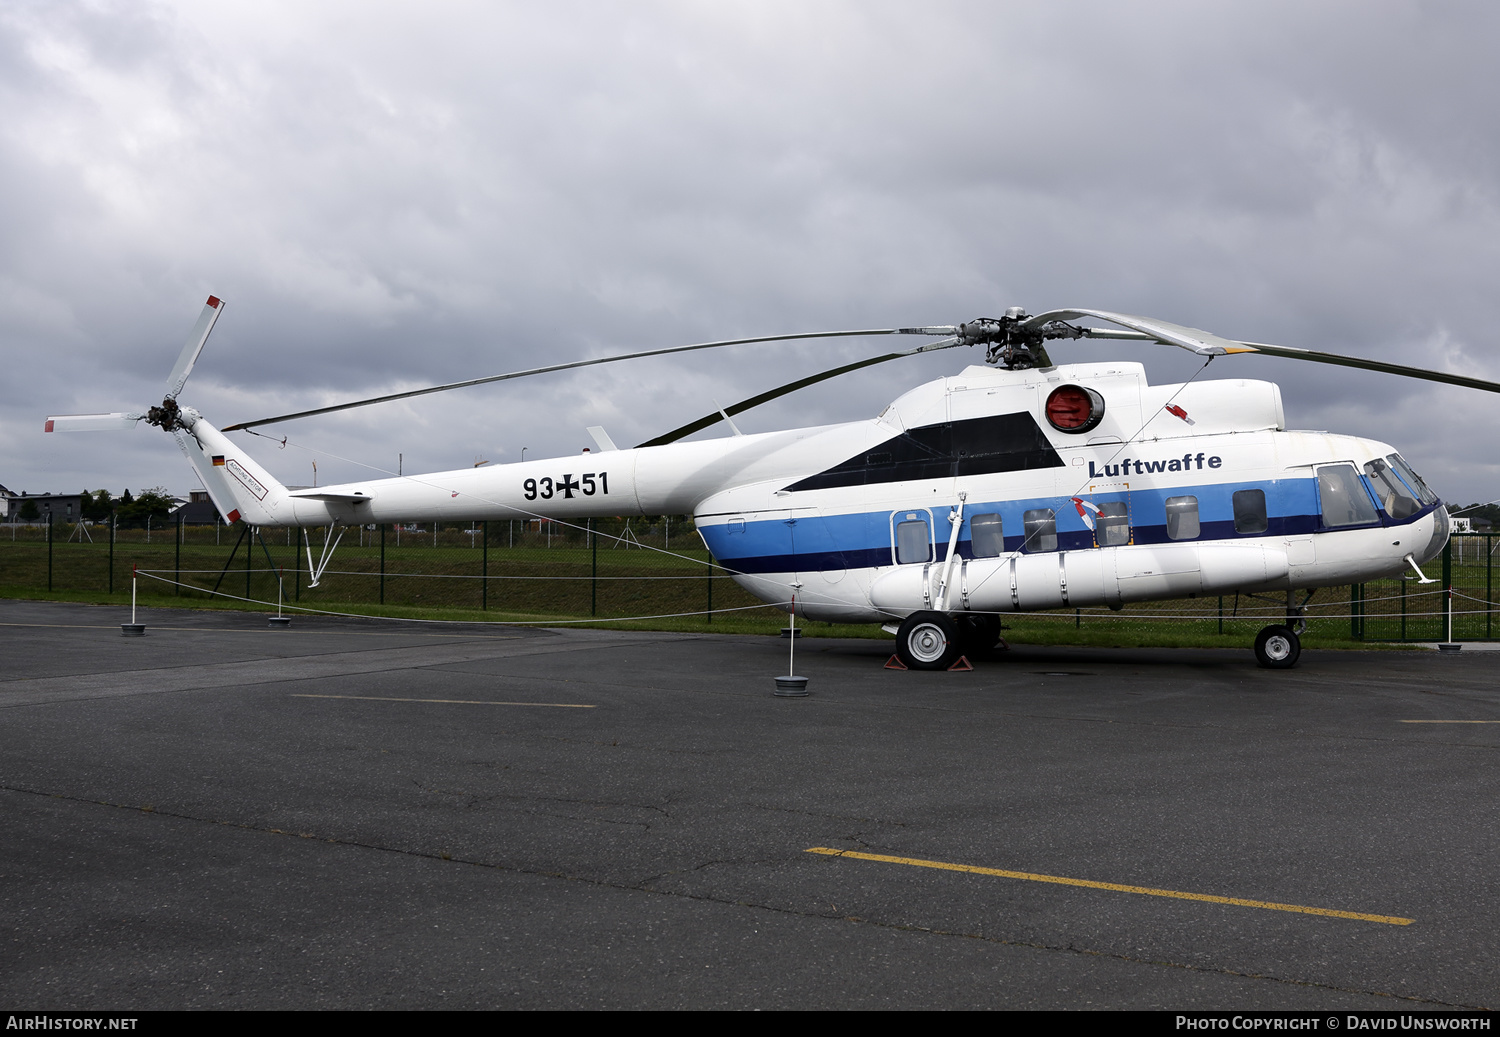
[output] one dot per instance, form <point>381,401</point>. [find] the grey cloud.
<point>389,194</point>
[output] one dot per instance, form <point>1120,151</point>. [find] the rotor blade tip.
<point>215,301</point>
<point>48,427</point>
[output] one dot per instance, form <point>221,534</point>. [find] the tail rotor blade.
<point>189,356</point>
<point>91,422</point>
<point>212,474</point>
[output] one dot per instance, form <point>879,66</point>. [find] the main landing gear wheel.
<point>1277,648</point>
<point>927,641</point>
<point>978,633</point>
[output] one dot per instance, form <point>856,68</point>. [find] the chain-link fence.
<point>608,568</point>
<point>1458,605</point>
<point>614,568</point>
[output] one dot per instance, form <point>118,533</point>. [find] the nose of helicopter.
<point>1440,525</point>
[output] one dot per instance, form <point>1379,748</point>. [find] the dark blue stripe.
<point>819,544</point>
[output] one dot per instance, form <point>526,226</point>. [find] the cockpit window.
<point>1412,479</point>
<point>1398,501</point>
<point>1345,502</point>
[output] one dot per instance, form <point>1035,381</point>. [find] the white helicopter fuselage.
<point>960,496</point>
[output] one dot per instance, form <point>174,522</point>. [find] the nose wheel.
<point>1277,648</point>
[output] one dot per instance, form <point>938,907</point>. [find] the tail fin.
<point>239,487</point>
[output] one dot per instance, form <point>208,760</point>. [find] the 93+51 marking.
<point>588,484</point>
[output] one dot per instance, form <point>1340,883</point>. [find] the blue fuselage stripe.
<point>863,540</point>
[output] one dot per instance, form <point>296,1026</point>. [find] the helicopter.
<point>1016,485</point>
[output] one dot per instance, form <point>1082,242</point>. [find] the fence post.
<point>49,552</point>
<point>1489,570</point>
<point>593,571</point>
<point>114,524</point>
<point>1448,591</point>
<point>248,553</point>
<point>177,561</point>
<point>382,562</point>
<point>1221,613</point>
<point>297,567</point>
<point>710,588</point>
<point>484,567</point>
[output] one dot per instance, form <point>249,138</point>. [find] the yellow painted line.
<point>459,702</point>
<point>1115,886</point>
<point>1450,721</point>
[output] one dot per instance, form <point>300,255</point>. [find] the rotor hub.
<point>167,417</point>
<point>1014,343</point>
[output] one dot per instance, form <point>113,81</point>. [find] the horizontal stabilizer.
<point>91,422</point>
<point>314,493</point>
<point>601,438</point>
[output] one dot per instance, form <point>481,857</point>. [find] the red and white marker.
<point>1086,511</point>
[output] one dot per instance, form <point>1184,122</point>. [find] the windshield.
<point>1395,497</point>
<point>1412,479</point>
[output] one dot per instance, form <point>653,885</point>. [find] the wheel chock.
<point>961,665</point>
<point>894,663</point>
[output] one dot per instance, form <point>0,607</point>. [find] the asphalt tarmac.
<point>367,814</point>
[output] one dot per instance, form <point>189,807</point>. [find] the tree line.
<point>128,511</point>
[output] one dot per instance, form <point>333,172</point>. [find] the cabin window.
<point>985,536</point>
<point>1182,518</point>
<point>1113,524</point>
<point>1250,511</point>
<point>1398,501</point>
<point>1041,529</point>
<point>1343,496</point>
<point>912,542</point>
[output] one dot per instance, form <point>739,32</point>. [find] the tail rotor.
<point>168,416</point>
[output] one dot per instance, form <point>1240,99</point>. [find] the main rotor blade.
<point>1192,339</point>
<point>91,422</point>
<point>189,356</point>
<point>1293,353</point>
<point>801,383</point>
<point>586,363</point>
<point>1204,343</point>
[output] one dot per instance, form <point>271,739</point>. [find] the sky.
<point>394,195</point>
